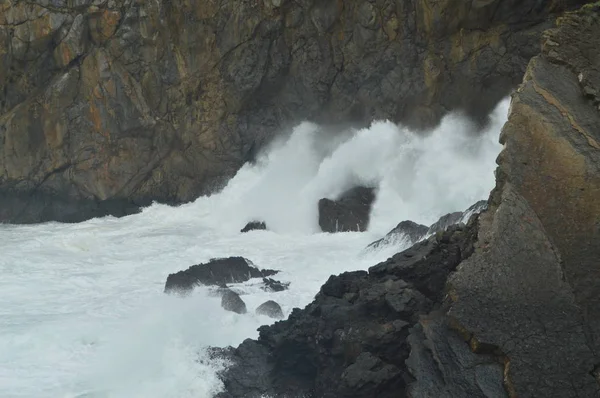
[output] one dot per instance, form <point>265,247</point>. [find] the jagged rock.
<point>136,101</point>
<point>271,309</point>
<point>217,272</point>
<point>271,285</point>
<point>349,213</point>
<point>254,225</point>
<point>351,341</point>
<point>532,287</point>
<point>231,301</point>
<point>406,234</point>
<point>445,367</point>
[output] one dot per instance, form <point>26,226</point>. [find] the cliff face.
<point>533,287</point>
<point>105,105</point>
<point>519,313</point>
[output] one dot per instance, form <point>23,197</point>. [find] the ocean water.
<point>82,308</point>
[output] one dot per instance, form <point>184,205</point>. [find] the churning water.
<point>82,309</point>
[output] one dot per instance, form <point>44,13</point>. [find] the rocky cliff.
<point>106,105</point>
<point>507,306</point>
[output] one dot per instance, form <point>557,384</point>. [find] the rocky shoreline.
<point>503,307</point>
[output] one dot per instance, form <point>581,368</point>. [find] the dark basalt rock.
<point>457,217</point>
<point>351,341</point>
<point>349,213</point>
<point>271,285</point>
<point>406,233</point>
<point>253,226</point>
<point>231,301</point>
<point>217,272</point>
<point>271,309</point>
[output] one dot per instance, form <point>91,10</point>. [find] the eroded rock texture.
<point>106,105</point>
<point>532,288</point>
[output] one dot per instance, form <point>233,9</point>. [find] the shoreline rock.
<point>351,212</point>
<point>217,272</point>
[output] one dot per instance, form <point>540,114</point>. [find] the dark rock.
<point>217,272</point>
<point>95,109</point>
<point>231,301</point>
<point>271,285</point>
<point>444,366</point>
<point>351,341</point>
<point>270,309</point>
<point>349,213</point>
<point>406,234</point>
<point>532,286</point>
<point>456,218</point>
<point>254,225</point>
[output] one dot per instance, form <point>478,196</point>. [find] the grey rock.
<point>231,301</point>
<point>217,272</point>
<point>271,309</point>
<point>349,213</point>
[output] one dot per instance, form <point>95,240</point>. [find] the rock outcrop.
<point>407,233</point>
<point>271,285</point>
<point>254,226</point>
<point>106,106</point>
<point>506,306</point>
<point>217,272</point>
<point>353,339</point>
<point>532,288</point>
<point>271,309</point>
<point>348,213</point>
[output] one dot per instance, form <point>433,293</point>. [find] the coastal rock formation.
<point>536,272</point>
<point>231,301</point>
<point>506,306</point>
<point>217,272</point>
<point>106,106</point>
<point>407,233</point>
<point>348,213</point>
<point>254,226</point>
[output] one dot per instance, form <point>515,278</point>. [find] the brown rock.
<point>165,100</point>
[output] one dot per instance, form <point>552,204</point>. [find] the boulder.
<point>254,225</point>
<point>217,272</point>
<point>348,213</point>
<point>231,301</point>
<point>271,285</point>
<point>271,309</point>
<point>405,234</point>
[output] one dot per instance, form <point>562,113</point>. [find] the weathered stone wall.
<point>108,104</point>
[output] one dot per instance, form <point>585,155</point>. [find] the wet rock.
<point>405,234</point>
<point>253,226</point>
<point>349,213</point>
<point>134,102</point>
<point>351,341</point>
<point>271,285</point>
<point>231,301</point>
<point>270,309</point>
<point>217,272</point>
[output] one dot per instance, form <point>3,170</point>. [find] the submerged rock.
<point>271,285</point>
<point>217,272</point>
<point>348,213</point>
<point>271,309</point>
<point>253,226</point>
<point>231,301</point>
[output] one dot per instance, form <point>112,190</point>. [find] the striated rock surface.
<point>351,212</point>
<point>109,105</point>
<point>532,288</point>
